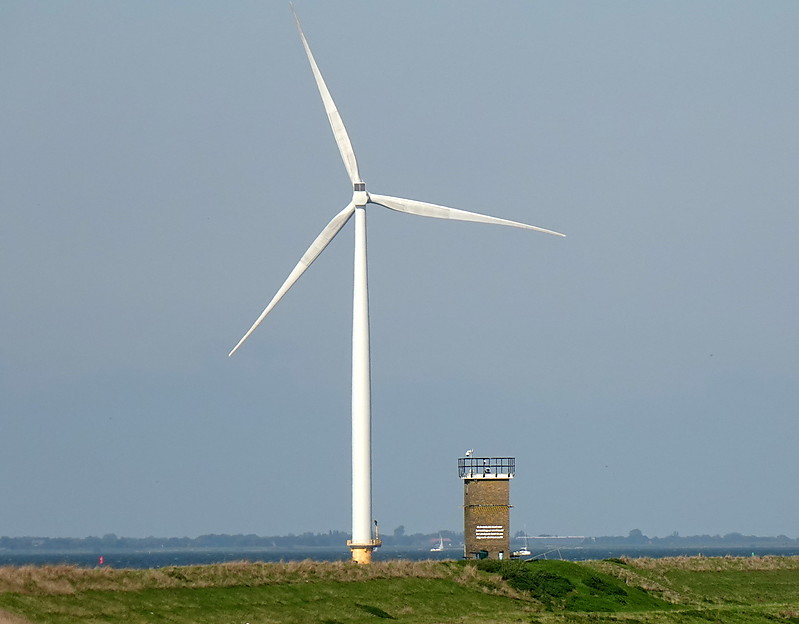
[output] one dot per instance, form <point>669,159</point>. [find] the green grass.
<point>630,591</point>
<point>568,586</point>
<point>405,600</point>
<point>327,593</point>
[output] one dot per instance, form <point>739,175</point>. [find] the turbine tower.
<point>363,541</point>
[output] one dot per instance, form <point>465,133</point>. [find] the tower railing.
<point>486,467</point>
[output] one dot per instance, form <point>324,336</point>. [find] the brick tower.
<point>486,506</point>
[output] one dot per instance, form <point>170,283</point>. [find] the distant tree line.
<point>675,540</point>
<point>111,542</point>
<point>336,539</point>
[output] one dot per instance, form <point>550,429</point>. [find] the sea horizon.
<point>158,558</point>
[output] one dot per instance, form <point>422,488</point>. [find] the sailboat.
<point>524,552</point>
<point>440,546</point>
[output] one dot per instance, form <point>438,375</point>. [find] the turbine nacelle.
<point>359,195</point>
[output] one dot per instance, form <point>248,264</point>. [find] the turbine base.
<point>362,552</point>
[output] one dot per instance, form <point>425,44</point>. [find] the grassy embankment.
<point>692,590</point>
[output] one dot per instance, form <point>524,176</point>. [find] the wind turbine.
<point>362,542</point>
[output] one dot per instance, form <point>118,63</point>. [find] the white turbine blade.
<point>424,209</point>
<point>336,123</point>
<point>319,244</point>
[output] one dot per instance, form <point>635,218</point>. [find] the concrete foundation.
<point>362,553</point>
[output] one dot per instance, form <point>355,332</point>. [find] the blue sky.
<point>164,166</point>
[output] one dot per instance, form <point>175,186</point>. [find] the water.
<point>163,558</point>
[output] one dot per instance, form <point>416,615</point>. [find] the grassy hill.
<point>632,591</point>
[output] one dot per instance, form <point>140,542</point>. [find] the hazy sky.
<point>163,165</point>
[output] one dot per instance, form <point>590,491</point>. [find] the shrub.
<point>542,584</point>
<point>603,587</point>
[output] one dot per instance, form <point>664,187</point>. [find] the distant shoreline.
<point>159,558</point>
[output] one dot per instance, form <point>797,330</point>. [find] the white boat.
<point>440,546</point>
<point>523,552</point>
